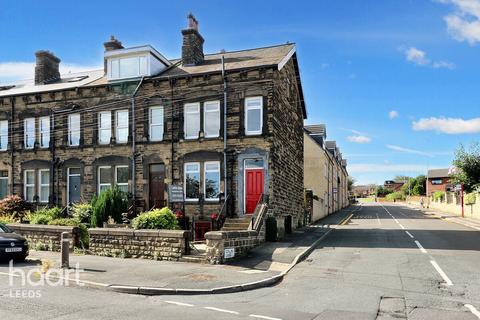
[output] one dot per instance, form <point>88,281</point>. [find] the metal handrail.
<point>263,200</point>
<point>222,215</point>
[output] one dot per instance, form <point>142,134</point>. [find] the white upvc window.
<point>29,133</point>
<point>121,178</point>
<point>44,132</point>
<point>43,185</point>
<point>29,185</point>
<point>128,67</point>
<point>3,184</point>
<point>211,119</point>
<point>211,180</point>
<point>74,129</point>
<point>104,178</point>
<point>156,123</point>
<point>121,126</point>
<point>192,181</point>
<point>192,120</point>
<point>3,135</point>
<point>104,127</point>
<point>253,115</point>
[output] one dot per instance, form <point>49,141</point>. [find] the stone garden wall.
<point>240,241</point>
<point>44,237</point>
<point>149,244</point>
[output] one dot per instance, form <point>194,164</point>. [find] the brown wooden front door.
<point>157,185</point>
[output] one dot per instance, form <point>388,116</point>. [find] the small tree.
<point>351,182</point>
<point>467,163</point>
<point>110,203</point>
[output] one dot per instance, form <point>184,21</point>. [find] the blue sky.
<point>395,81</point>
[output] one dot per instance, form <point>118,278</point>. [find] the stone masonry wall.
<point>149,244</point>
<point>43,237</point>
<point>241,241</point>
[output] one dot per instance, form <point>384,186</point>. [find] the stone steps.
<point>194,258</point>
<point>236,224</point>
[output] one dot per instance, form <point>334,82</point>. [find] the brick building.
<point>438,180</point>
<point>224,127</point>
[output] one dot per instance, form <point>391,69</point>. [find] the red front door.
<point>253,189</point>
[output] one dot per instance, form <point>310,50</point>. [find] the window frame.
<point>71,131</point>
<point>185,180</point>
<point>152,125</point>
<point>248,108</point>
<point>186,124</point>
<point>69,174</point>
<point>7,178</point>
<point>42,131</point>
<point>205,179</point>
<point>100,128</point>
<point>2,136</point>
<point>116,177</point>
<point>26,133</point>
<point>43,185</point>
<point>117,127</point>
<point>28,185</point>
<point>215,103</point>
<point>118,61</point>
<point>99,184</point>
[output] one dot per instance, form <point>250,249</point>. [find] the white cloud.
<point>393,114</point>
<point>359,139</point>
<point>11,71</point>
<point>383,167</point>
<point>419,57</point>
<point>464,23</point>
<point>407,150</point>
<point>448,125</point>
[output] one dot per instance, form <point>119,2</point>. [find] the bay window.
<point>44,132</point>
<point>212,180</point>
<point>156,123</point>
<point>3,135</point>
<point>43,185</point>
<point>29,133</point>
<point>104,127</point>
<point>192,120</point>
<point>192,181</point>
<point>74,130</point>
<point>253,115</point>
<point>211,119</point>
<point>121,126</point>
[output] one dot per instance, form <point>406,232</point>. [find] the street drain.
<point>391,307</point>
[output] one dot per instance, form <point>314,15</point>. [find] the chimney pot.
<point>46,67</point>
<point>192,48</point>
<point>112,44</point>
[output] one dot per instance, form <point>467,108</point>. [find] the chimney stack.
<point>46,67</point>
<point>112,44</point>
<point>192,48</point>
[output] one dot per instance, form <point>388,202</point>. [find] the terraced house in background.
<point>224,127</point>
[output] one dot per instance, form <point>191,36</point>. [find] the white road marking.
<point>473,310</point>
<point>420,247</point>
<point>221,310</point>
<point>263,317</point>
<point>443,274</point>
<point>409,234</point>
<point>179,303</point>
<point>401,226</point>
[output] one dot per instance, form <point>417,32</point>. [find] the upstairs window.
<point>192,120</point>
<point>129,67</point>
<point>44,132</point>
<point>3,135</point>
<point>192,181</point>
<point>29,133</point>
<point>211,119</point>
<point>43,185</point>
<point>121,130</point>
<point>437,181</point>
<point>104,127</point>
<point>212,180</point>
<point>74,129</point>
<point>253,115</point>
<point>156,124</point>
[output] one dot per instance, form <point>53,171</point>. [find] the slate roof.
<point>438,173</point>
<point>317,130</point>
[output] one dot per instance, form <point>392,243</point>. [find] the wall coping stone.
<point>217,235</point>
<point>41,227</point>
<point>139,233</point>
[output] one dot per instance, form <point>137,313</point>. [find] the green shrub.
<point>6,219</point>
<point>82,212</point>
<point>110,203</point>
<point>72,222</point>
<point>438,195</point>
<point>470,198</point>
<point>43,216</point>
<point>39,218</point>
<point>156,219</point>
<point>14,206</point>
<point>395,196</point>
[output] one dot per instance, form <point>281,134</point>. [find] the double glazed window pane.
<point>192,120</point>
<point>105,127</point>
<point>3,134</point>
<point>212,119</point>
<point>29,185</point>
<point>29,127</point>
<point>254,115</point>
<point>44,180</point>
<point>122,126</point>
<point>74,130</point>
<point>156,124</point>
<point>192,180</point>
<point>44,132</point>
<point>212,180</point>
<point>122,178</point>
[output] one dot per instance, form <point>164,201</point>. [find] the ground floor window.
<point>43,185</point>
<point>3,184</point>
<point>192,181</point>
<point>210,184</point>
<point>29,185</point>
<point>212,180</point>
<point>104,178</point>
<point>121,178</point>
<point>113,175</point>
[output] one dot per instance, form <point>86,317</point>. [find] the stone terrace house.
<point>220,126</point>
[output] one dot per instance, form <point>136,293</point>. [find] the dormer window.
<point>131,63</point>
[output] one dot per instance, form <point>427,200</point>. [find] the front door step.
<point>194,258</point>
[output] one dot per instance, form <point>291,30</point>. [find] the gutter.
<point>134,145</point>
<point>225,190</point>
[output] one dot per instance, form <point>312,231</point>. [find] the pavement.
<point>266,265</point>
<point>388,261</point>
